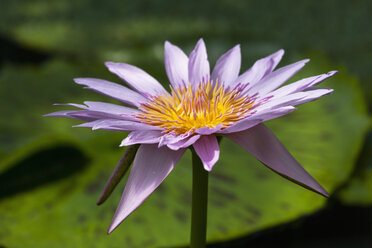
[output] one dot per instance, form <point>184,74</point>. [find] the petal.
<point>208,130</point>
<point>262,143</point>
<point>208,151</point>
<point>176,65</point>
<point>66,114</point>
<point>260,69</point>
<point>118,173</point>
<point>302,84</point>
<point>150,167</point>
<point>176,142</point>
<point>198,64</point>
<point>184,143</point>
<point>136,78</point>
<point>110,108</point>
<point>276,78</point>
<point>295,98</point>
<point>257,118</point>
<point>96,115</point>
<point>142,137</point>
<point>113,90</point>
<point>117,125</point>
<point>227,67</point>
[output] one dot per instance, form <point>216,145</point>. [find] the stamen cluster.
<point>187,109</point>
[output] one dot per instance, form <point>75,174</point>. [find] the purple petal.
<point>198,64</point>
<point>113,90</point>
<point>142,137</point>
<point>150,167</point>
<point>262,143</point>
<point>136,78</point>
<point>295,98</point>
<point>118,173</point>
<point>257,118</point>
<point>176,142</point>
<point>118,125</point>
<point>183,143</point>
<point>302,84</point>
<point>208,151</point>
<point>260,69</point>
<point>208,130</point>
<point>110,108</point>
<point>276,78</point>
<point>227,67</point>
<point>66,114</point>
<point>81,106</point>
<point>176,65</point>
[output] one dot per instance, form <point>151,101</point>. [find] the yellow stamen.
<point>187,109</point>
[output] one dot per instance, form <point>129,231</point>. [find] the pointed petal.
<point>113,90</point>
<point>227,67</point>
<point>109,108</point>
<point>118,173</point>
<point>136,78</point>
<point>150,167</point>
<point>263,144</point>
<point>123,125</point>
<point>276,78</point>
<point>260,69</point>
<point>208,150</point>
<point>257,118</point>
<point>142,137</point>
<point>302,84</point>
<point>66,114</point>
<point>176,65</point>
<point>198,64</point>
<point>294,99</point>
<point>118,125</point>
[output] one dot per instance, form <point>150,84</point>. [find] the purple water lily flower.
<point>199,107</point>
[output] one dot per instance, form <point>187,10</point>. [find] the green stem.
<point>199,203</point>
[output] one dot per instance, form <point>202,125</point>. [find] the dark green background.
<point>51,174</point>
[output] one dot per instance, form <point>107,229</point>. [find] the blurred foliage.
<point>51,174</point>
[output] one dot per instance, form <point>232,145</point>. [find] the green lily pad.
<point>325,137</point>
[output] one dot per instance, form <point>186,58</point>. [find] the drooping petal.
<point>137,78</point>
<point>150,167</point>
<point>142,137</point>
<point>113,90</point>
<point>262,143</point>
<point>301,84</point>
<point>227,67</point>
<point>260,69</point>
<point>176,65</point>
<point>199,64</point>
<point>118,173</point>
<point>257,118</point>
<point>276,78</point>
<point>208,150</point>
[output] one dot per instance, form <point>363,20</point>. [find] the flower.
<point>199,107</point>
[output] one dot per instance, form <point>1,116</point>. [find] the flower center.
<point>187,109</point>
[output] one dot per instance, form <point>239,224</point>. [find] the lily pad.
<point>245,197</point>
<point>358,190</point>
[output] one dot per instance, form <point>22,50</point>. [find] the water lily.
<point>199,107</point>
